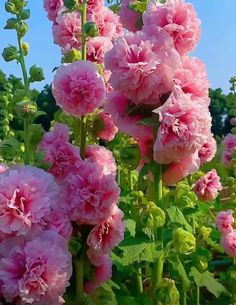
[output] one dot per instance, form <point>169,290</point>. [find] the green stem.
<point>197,295</point>
<point>76,131</point>
<point>83,21</point>
<point>79,270</point>
<point>157,183</point>
<point>27,141</point>
<point>23,66</point>
<point>139,280</point>
<point>183,296</point>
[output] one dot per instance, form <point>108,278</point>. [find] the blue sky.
<point>217,47</point>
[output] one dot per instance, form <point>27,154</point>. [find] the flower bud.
<point>90,29</point>
<point>25,109</point>
<point>10,7</point>
<point>167,293</point>
<point>154,217</point>
<point>71,56</point>
<point>70,4</point>
<point>22,28</point>
<point>205,232</point>
<point>25,14</point>
<point>25,48</point>
<point>10,53</point>
<point>12,23</point>
<point>184,242</point>
<point>36,74</point>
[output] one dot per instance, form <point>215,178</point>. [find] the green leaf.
<point>176,216</point>
<point>130,225</point>
<point>103,296</point>
<point>11,24</point>
<point>179,268</point>
<point>206,279</point>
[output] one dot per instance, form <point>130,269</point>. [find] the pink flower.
<point>52,7</point>
<point>208,150</point>
<point>229,142</point>
<point>177,171</point>
<point>93,5</point>
<point>78,88</point>
<point>90,193</point>
<point>176,18</point>
<point>67,30</point>
<point>97,48</point>
<point>3,167</point>
<point>184,128</point>
<point>104,126</point>
<point>226,158</point>
<point>192,78</point>
<point>228,242</point>
<point>103,157</point>
<point>60,133</point>
<point>107,234</point>
<point>224,221</point>
<point>207,188</point>
<point>130,19</point>
<point>26,196</point>
<point>35,271</point>
<point>142,69</point>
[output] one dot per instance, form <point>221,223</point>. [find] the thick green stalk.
<point>27,141</point>
<point>197,295</point>
<point>83,21</point>
<point>79,271</point>
<point>139,280</point>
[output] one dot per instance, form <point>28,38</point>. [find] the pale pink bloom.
<point>130,19</point>
<point>229,142</point>
<point>184,128</point>
<point>93,5</point>
<point>90,193</point>
<point>97,48</point>
<point>67,30</point>
<point>224,221</point>
<point>175,172</point>
<point>52,7</point>
<point>208,187</point>
<point>107,234</point>
<point>3,167</point>
<point>226,158</point>
<point>59,133</point>
<point>78,88</point>
<point>192,78</point>
<point>26,196</point>
<point>35,271</point>
<point>103,157</point>
<point>106,130</point>
<point>208,150</point>
<point>228,242</point>
<point>119,107</point>
<point>177,18</point>
<point>107,22</point>
<point>142,69</point>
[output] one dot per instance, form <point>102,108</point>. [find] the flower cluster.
<point>229,146</point>
<point>154,79</point>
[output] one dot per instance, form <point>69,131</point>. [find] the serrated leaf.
<point>206,279</point>
<point>179,268</point>
<point>103,296</point>
<point>176,216</point>
<point>130,225</point>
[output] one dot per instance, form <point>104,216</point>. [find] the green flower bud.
<point>12,23</point>
<point>166,293</point>
<point>71,56</point>
<point>154,217</point>
<point>22,28</point>
<point>20,4</point>
<point>90,29</point>
<point>70,4</point>
<point>184,242</point>
<point>25,14</point>
<point>25,48</point>
<point>10,116</point>
<point>205,232</point>
<point>5,129</point>
<point>10,53</point>
<point>36,74</point>
<point>25,109</point>
<point>10,7</point>
<point>231,181</point>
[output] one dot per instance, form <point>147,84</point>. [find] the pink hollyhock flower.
<point>107,234</point>
<point>119,107</point>
<point>67,30</point>
<point>90,193</point>
<point>52,7</point>
<point>130,19</point>
<point>226,158</point>
<point>142,69</point>
<point>224,221</point>
<point>97,48</point>
<point>208,150</point>
<point>35,271</point>
<point>175,172</point>
<point>26,196</point>
<point>192,78</point>
<point>60,133</point>
<point>208,187</point>
<point>228,242</point>
<point>103,157</point>
<point>78,88</point>
<point>229,142</point>
<point>3,167</point>
<point>184,128</point>
<point>176,18</point>
<point>104,126</point>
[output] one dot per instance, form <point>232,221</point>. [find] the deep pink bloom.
<point>177,171</point>
<point>208,187</point>
<point>78,88</point>
<point>52,7</point>
<point>130,19</point>
<point>229,142</point>
<point>106,127</point>
<point>224,221</point>
<point>67,30</point>
<point>228,242</point>
<point>208,150</point>
<point>107,234</point>
<point>26,196</point>
<point>142,69</point>
<point>226,158</point>
<point>35,271</point>
<point>103,157</point>
<point>178,19</point>
<point>184,128</point>
<point>97,48</point>
<point>192,78</point>
<point>90,193</point>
